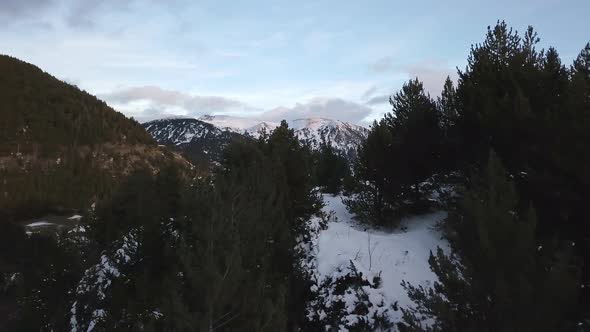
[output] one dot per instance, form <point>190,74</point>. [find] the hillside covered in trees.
<point>41,113</point>
<point>62,148</point>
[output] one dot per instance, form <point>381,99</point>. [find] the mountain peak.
<point>343,136</point>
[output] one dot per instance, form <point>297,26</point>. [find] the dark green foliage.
<point>401,151</point>
<point>451,144</point>
<point>217,253</point>
<point>496,280</point>
<point>415,125</point>
<point>13,242</point>
<point>330,169</point>
<point>534,112</point>
<point>212,254</point>
<point>50,268</point>
<point>37,273</point>
<point>56,188</point>
<point>371,202</point>
<point>62,148</point>
<point>138,202</point>
<point>286,152</point>
<point>40,112</point>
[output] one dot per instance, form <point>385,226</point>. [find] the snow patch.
<point>376,259</point>
<point>40,223</point>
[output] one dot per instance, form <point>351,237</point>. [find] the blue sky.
<point>268,59</point>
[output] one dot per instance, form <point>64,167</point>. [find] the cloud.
<point>19,8</point>
<point>381,65</point>
<point>377,100</point>
<point>432,75</point>
<point>157,102</point>
<point>431,72</point>
<point>369,92</point>
<point>84,13</point>
<point>321,107</point>
<point>74,13</point>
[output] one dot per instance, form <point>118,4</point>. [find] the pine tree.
<point>448,108</point>
<point>331,168</point>
<point>447,105</point>
<point>402,150</point>
<point>415,124</point>
<point>495,280</point>
<point>370,201</point>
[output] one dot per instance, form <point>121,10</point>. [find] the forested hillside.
<point>40,113</point>
<point>166,254</point>
<point>62,148</point>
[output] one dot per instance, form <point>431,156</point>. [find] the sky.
<point>267,59</point>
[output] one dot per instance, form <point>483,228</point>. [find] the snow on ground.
<point>395,255</point>
<point>75,217</point>
<point>40,223</point>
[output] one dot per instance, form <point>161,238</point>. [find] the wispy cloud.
<point>157,100</point>
<point>432,74</point>
<point>151,102</point>
<point>382,65</point>
<point>369,92</point>
<point>377,100</point>
<point>15,9</point>
<point>223,58</point>
<point>331,108</point>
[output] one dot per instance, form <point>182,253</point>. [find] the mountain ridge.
<point>212,132</point>
<point>342,136</point>
<point>200,141</point>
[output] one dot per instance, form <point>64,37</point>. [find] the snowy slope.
<point>233,123</point>
<point>200,141</point>
<point>392,256</point>
<point>205,138</point>
<point>179,131</point>
<point>343,136</point>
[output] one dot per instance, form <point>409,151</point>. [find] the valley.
<point>186,166</point>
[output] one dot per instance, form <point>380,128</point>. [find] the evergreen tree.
<point>331,168</point>
<point>401,151</point>
<point>415,126</point>
<point>448,107</point>
<point>495,280</point>
<point>370,201</point>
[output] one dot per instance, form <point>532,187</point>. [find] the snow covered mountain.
<point>200,141</point>
<point>343,136</point>
<point>203,139</point>
<point>237,124</point>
